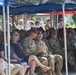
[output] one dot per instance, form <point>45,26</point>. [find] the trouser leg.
<point>15,68</point>
<point>44,61</point>
<point>59,63</point>
<point>51,63</point>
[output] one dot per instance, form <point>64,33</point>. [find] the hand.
<point>20,59</point>
<point>41,49</point>
<point>14,60</point>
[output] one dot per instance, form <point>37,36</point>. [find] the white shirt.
<point>60,25</point>
<point>27,25</point>
<point>20,27</point>
<point>2,63</point>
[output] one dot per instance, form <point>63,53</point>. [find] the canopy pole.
<point>65,42</point>
<point>8,36</point>
<point>4,26</point>
<point>57,21</point>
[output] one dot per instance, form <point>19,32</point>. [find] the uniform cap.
<point>53,32</point>
<point>40,32</point>
<point>48,19</point>
<point>34,30</point>
<point>71,31</point>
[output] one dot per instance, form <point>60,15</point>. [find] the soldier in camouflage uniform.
<point>55,44</point>
<point>44,52</point>
<point>71,48</point>
<point>48,25</point>
<point>30,46</point>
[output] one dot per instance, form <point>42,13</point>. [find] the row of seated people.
<point>36,43</point>
<point>18,58</point>
<point>58,43</point>
<point>54,39</point>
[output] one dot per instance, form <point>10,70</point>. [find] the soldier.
<point>55,44</point>
<point>71,48</point>
<point>44,52</point>
<point>61,24</point>
<point>48,25</point>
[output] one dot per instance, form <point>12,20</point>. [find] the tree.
<point>74,18</point>
<point>73,0</point>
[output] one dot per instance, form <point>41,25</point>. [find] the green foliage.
<point>74,18</point>
<point>71,23</point>
<point>0,18</point>
<point>67,25</point>
<point>32,16</point>
<point>74,0</point>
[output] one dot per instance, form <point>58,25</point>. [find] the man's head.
<point>70,33</point>
<point>54,34</point>
<point>32,23</point>
<point>48,21</point>
<point>20,21</point>
<point>39,35</point>
<point>37,23</point>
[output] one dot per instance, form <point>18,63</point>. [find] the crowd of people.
<point>38,47</point>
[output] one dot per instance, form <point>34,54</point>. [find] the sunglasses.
<point>16,34</point>
<point>53,34</point>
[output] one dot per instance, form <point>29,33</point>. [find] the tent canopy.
<point>47,7</point>
<point>18,8</point>
<point>1,2</point>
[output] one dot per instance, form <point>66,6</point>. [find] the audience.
<point>23,47</point>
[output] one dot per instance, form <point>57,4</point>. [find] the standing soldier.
<point>44,52</point>
<point>48,25</point>
<point>61,24</point>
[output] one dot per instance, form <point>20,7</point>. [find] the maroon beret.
<point>48,19</point>
<point>34,30</point>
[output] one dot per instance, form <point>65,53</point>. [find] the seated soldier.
<point>71,49</point>
<point>55,44</point>
<point>44,52</point>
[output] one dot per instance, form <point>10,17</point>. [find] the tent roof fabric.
<point>38,8</point>
<point>47,7</point>
<point>18,8</point>
<point>1,2</point>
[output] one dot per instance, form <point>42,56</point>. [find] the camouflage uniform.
<point>46,42</point>
<point>52,59</point>
<point>29,46</point>
<point>71,51</point>
<point>47,27</point>
<point>55,46</point>
<point>30,49</point>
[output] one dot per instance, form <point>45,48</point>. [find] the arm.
<point>2,55</point>
<point>53,45</point>
<point>16,57</point>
